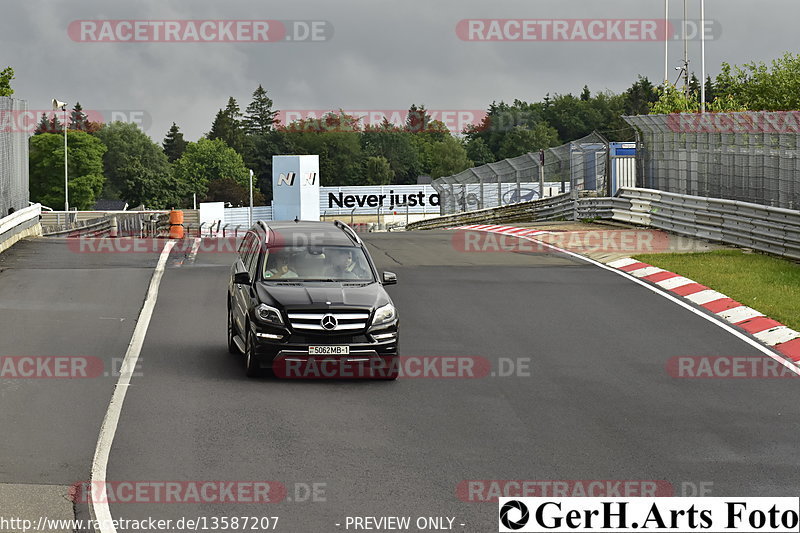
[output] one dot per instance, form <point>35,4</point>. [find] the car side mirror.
<point>389,278</point>
<point>242,278</point>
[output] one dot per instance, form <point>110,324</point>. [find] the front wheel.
<point>252,368</point>
<point>232,348</point>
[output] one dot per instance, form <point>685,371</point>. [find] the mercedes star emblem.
<point>329,322</point>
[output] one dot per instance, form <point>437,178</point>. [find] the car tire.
<point>252,368</point>
<point>232,348</point>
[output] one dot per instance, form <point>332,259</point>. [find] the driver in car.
<point>343,266</point>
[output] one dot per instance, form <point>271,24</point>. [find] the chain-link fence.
<point>751,157</point>
<point>578,165</point>
<point>581,164</point>
<point>13,155</point>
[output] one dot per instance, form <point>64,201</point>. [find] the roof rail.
<point>267,230</point>
<point>348,230</point>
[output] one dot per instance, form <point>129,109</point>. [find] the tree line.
<point>119,161</point>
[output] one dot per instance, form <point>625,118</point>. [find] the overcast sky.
<point>384,54</point>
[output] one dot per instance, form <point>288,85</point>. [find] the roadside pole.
<point>250,211</point>
<point>541,174</point>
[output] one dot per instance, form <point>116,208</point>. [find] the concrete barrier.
<point>561,207</point>
<point>18,225</point>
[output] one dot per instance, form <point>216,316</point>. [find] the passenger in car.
<point>283,267</point>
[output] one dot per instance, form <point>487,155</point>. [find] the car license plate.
<point>328,350</point>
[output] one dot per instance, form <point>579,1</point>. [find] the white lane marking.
<point>529,232</point>
<point>704,297</point>
<point>102,512</point>
<point>647,271</point>
<point>711,318</point>
<point>739,314</point>
<point>674,283</point>
<point>195,248</point>
<point>620,263</point>
<point>777,335</point>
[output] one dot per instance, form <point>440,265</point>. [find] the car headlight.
<point>384,314</point>
<point>269,315</point>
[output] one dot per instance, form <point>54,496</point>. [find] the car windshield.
<point>317,263</point>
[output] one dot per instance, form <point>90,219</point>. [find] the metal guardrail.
<point>768,229</point>
<point>141,224</point>
<point>131,224</point>
<point>554,208</point>
<point>95,227</point>
<point>588,208</point>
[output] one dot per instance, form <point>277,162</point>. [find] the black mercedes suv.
<point>305,300</point>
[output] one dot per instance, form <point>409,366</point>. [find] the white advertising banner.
<point>211,212</point>
<point>386,199</point>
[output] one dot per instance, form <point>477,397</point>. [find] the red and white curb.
<point>770,332</point>
<point>503,230</point>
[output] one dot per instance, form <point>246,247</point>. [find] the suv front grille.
<point>311,339</point>
<point>343,321</point>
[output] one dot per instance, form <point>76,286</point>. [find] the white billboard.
<point>386,199</point>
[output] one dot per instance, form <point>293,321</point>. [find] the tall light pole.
<point>686,47</point>
<point>702,56</point>
<point>666,43</point>
<point>63,105</point>
<point>250,211</point>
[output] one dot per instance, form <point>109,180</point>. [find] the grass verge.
<point>767,284</point>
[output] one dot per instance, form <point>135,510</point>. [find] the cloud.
<point>384,54</point>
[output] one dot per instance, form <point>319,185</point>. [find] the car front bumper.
<point>272,342</point>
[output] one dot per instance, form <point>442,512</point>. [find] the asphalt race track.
<point>588,396</point>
